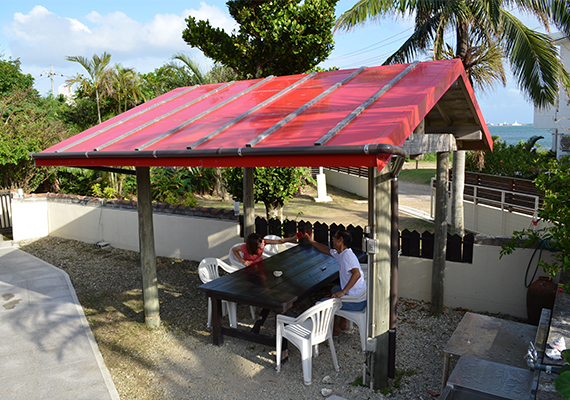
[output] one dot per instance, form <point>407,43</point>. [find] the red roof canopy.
<point>341,118</point>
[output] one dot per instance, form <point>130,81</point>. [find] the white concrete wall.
<point>493,221</point>
<point>29,218</point>
<point>489,284</point>
<point>350,183</point>
<point>557,118</point>
<point>180,236</point>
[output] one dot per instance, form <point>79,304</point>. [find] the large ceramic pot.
<point>541,294</point>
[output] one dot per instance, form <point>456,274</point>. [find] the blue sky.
<point>144,35</point>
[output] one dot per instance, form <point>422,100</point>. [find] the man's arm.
<point>319,246</point>
<point>351,282</point>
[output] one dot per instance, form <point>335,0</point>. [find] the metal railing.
<point>505,200</point>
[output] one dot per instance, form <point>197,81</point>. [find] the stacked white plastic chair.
<point>306,331</point>
<point>234,261</point>
<point>271,249</point>
<point>236,265</point>
<point>208,271</point>
<point>357,317</point>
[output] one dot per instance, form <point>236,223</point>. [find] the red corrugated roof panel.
<point>297,116</point>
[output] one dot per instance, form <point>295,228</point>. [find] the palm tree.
<point>99,74</point>
<point>126,87</point>
<point>187,74</point>
<point>532,55</point>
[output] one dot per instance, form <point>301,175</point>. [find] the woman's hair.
<point>346,237</point>
<point>252,243</point>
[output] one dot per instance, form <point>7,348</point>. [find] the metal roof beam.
<point>357,111</point>
<point>217,106</point>
<point>98,132</point>
<point>301,109</point>
<point>255,108</point>
<point>168,114</point>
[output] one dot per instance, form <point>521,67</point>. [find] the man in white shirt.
<point>352,282</point>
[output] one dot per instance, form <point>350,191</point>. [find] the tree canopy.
<point>12,78</point>
<point>475,26</point>
<point>279,37</point>
<point>273,186</point>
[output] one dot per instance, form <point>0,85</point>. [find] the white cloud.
<point>42,38</point>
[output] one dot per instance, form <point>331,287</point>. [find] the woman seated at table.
<point>352,282</point>
<point>252,249</point>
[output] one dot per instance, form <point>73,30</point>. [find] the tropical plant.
<point>562,381</point>
<point>26,126</point>
<point>273,186</point>
<point>280,37</point>
<point>172,186</point>
<point>12,78</point>
<point>186,72</point>
<point>126,87</point>
<point>554,185</point>
<point>524,160</point>
<point>99,81</point>
<point>487,23</point>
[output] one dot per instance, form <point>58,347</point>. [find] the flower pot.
<point>541,294</point>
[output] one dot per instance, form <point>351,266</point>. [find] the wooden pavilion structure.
<point>367,117</point>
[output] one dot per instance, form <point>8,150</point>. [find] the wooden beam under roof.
<point>432,143</point>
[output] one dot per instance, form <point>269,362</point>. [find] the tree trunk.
<point>274,210</point>
<point>98,107</point>
<point>219,188</point>
<point>440,234</point>
<point>458,185</point>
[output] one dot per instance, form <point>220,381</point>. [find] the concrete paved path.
<point>47,350</point>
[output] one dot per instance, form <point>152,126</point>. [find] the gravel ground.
<point>178,361</point>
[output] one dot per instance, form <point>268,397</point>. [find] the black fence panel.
<point>261,226</point>
<point>468,244</point>
<point>427,245</point>
<point>412,243</point>
<point>274,227</point>
<point>453,252</point>
<point>321,233</point>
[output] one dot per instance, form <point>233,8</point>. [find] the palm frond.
<point>534,60</point>
<point>369,10</point>
<point>418,41</point>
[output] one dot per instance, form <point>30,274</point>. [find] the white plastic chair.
<point>236,263</point>
<point>208,271</point>
<point>271,249</point>
<point>306,331</point>
<point>358,317</point>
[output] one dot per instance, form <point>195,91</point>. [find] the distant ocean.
<point>514,134</point>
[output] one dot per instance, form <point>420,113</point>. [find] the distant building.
<point>66,91</point>
<point>557,118</point>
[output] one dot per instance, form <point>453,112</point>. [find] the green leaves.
<point>478,25</point>
<point>562,382</point>
<point>273,185</point>
<point>282,37</point>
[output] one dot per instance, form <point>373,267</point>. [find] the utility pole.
<point>51,75</point>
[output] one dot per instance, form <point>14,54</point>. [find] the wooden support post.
<point>457,223</point>
<point>440,236</point>
<point>379,205</point>
<point>394,245</point>
<point>147,250</point>
<point>248,202</point>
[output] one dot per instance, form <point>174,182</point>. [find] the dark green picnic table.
<point>305,270</point>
